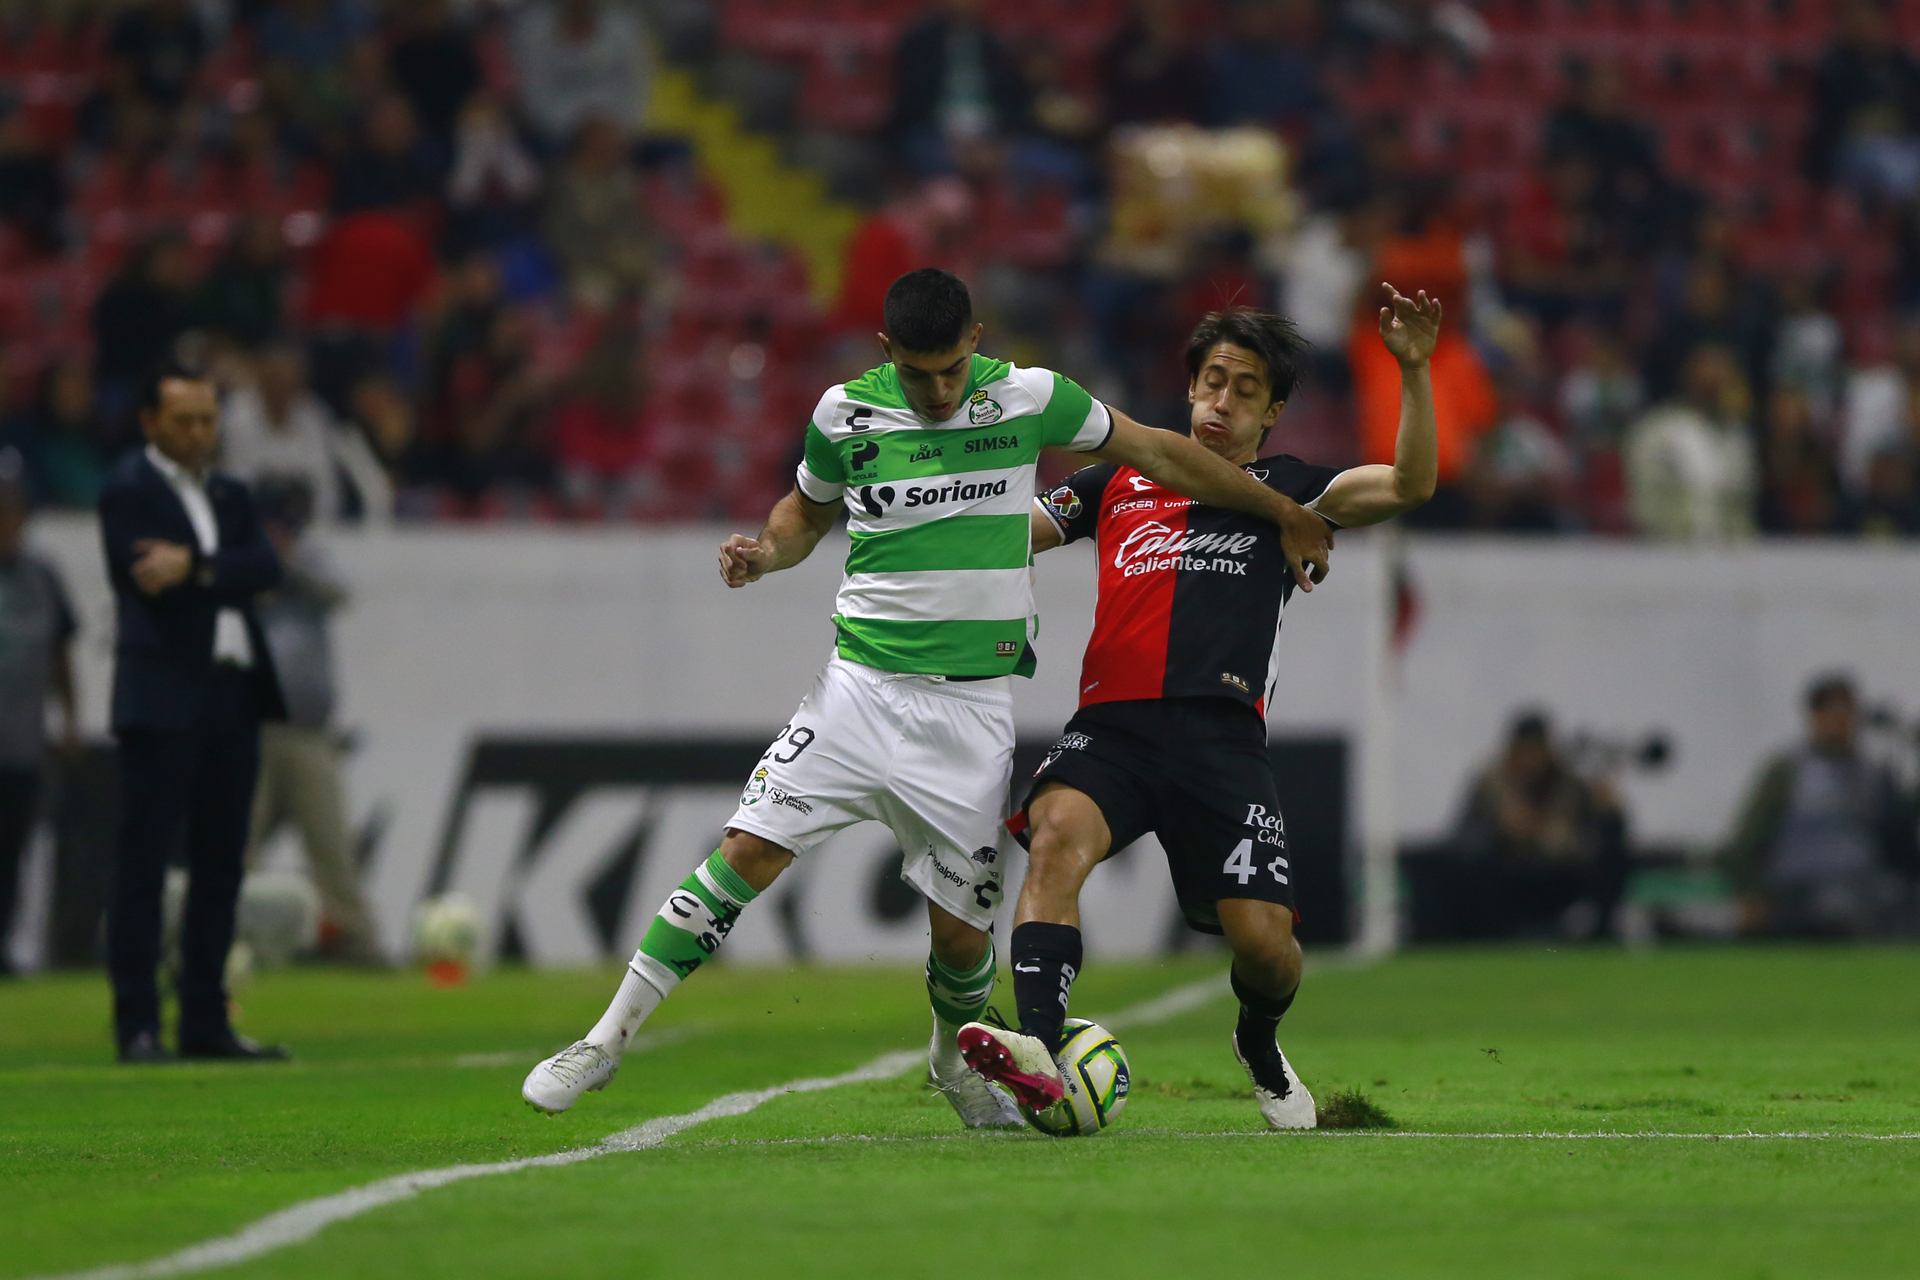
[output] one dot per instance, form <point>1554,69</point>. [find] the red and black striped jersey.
<point>1190,595</point>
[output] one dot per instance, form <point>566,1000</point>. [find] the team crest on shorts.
<point>756,788</point>
<point>982,411</point>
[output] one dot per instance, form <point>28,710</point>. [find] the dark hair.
<point>1532,724</point>
<point>928,310</point>
<point>1273,338</point>
<point>162,374</point>
<point>1828,687</point>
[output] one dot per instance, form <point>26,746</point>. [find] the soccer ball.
<point>445,930</point>
<point>1093,1066</point>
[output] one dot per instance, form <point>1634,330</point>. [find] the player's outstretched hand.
<point>743,560</point>
<point>1306,540</point>
<point>1410,326</point>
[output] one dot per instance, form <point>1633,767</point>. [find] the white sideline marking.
<point>1304,1134</point>
<point>301,1222</point>
<point>1169,1005</point>
<point>1547,1135</point>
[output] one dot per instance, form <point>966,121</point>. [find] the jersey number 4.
<point>1240,862</point>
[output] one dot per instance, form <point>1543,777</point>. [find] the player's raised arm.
<point>794,528</point>
<point>1188,467</point>
<point>1410,327</point>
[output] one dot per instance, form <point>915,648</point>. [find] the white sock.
<point>647,983</point>
<point>944,1056</point>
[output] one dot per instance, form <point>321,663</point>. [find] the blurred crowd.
<point>445,268</point>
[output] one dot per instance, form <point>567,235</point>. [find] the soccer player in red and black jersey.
<point>1171,733</point>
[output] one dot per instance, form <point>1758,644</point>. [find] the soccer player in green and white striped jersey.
<point>932,455</point>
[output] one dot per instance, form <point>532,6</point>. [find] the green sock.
<point>695,919</point>
<point>958,997</point>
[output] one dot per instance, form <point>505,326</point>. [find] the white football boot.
<point>557,1083</point>
<point>1290,1109</point>
<point>980,1105</point>
<point>1018,1063</point>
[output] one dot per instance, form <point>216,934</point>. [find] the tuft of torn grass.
<point>1352,1109</point>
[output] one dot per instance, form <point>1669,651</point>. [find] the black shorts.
<point>1196,773</point>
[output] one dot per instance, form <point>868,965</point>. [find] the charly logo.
<point>982,411</point>
<point>864,455</point>
<point>756,788</point>
<point>927,453</point>
<point>1064,502</point>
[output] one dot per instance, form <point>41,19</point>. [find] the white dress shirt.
<point>230,641</point>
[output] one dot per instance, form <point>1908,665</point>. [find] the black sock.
<point>1259,1022</point>
<point>1046,960</point>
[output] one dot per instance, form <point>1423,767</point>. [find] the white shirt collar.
<point>173,471</point>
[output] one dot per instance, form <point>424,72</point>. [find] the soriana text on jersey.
<point>1190,595</point>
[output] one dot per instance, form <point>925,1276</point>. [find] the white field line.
<point>1195,995</point>
<point>303,1221</point>
<point>1313,1135</point>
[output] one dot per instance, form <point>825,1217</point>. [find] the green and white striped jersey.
<point>939,578</point>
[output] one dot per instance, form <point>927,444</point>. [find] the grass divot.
<point>1352,1109</point>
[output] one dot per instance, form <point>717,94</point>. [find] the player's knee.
<point>758,860</point>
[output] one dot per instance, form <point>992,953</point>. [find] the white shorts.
<point>929,757</point>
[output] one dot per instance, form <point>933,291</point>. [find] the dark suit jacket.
<point>920,81</point>
<point>163,656</point>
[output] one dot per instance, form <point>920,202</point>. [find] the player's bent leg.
<point>695,919</point>
<point>1069,839</point>
<point>960,974</point>
<point>1266,976</point>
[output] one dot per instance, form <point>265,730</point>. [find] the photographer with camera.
<point>1826,837</point>
<point>1540,849</point>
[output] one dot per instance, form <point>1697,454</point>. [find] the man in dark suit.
<point>953,81</point>
<point>193,678</point>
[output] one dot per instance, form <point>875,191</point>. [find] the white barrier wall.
<point>562,649</point>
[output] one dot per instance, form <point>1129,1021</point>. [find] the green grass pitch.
<point>102,1164</point>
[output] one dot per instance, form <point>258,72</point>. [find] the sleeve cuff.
<point>1096,431</point>
<point>1052,519</point>
<point>1314,505</point>
<point>814,488</point>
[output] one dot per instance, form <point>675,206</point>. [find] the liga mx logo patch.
<point>1065,502</point>
<point>981,411</point>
